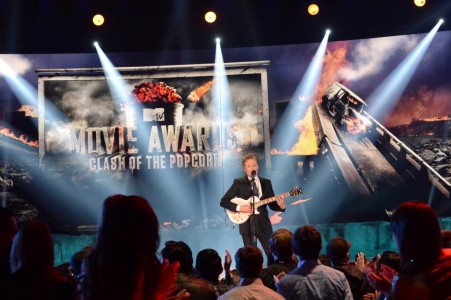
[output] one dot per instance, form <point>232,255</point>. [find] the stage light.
<point>218,40</point>
<point>419,3</point>
<point>222,100</point>
<point>313,9</point>
<point>98,20</point>
<point>210,17</point>
<point>384,98</point>
<point>328,31</point>
<point>441,21</point>
<point>95,44</point>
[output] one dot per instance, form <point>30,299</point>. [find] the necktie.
<point>254,188</point>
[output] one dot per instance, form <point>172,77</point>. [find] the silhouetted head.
<point>128,225</point>
<point>337,250</point>
<point>306,242</point>
<point>181,252</point>
<point>281,246</point>
<point>209,265</point>
<point>416,231</point>
<point>249,262</point>
<point>391,259</point>
<point>32,248</point>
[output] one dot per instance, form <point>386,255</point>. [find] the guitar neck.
<point>269,200</point>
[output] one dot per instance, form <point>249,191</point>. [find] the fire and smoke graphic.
<point>357,124</point>
<point>156,91</point>
<point>306,144</point>
<point>334,60</point>
<point>422,103</point>
<point>30,111</point>
<point>198,93</point>
<point>22,138</point>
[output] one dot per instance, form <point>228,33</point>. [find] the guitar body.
<point>241,217</point>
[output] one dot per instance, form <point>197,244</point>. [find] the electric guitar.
<point>241,217</point>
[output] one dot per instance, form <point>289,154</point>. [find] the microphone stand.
<point>252,223</point>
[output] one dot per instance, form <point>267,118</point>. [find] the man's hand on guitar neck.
<point>281,202</point>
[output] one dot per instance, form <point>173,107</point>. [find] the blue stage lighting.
<point>384,98</point>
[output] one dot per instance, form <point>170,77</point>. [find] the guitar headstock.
<point>296,191</point>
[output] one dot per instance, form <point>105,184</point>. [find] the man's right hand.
<point>245,208</point>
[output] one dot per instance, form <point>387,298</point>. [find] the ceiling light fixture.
<point>98,20</point>
<point>419,3</point>
<point>313,9</point>
<point>210,17</point>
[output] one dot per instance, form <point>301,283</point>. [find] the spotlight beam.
<point>304,95</point>
<point>384,98</point>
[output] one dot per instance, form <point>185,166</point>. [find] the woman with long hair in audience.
<point>425,271</point>
<point>33,275</point>
<point>124,263</point>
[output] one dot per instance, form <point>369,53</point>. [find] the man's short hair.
<point>280,244</point>
<point>307,242</point>
<point>337,250</point>
<point>249,262</point>
<point>181,252</point>
<point>248,157</point>
<point>208,264</point>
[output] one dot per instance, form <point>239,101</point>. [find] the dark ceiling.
<point>65,26</point>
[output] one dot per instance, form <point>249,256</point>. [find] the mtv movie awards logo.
<point>149,135</point>
<point>154,128</point>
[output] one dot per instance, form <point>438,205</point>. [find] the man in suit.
<point>242,187</point>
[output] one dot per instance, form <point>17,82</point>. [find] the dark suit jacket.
<point>241,188</point>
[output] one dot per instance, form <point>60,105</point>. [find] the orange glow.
<point>22,138</point>
<point>334,60</point>
<point>30,111</point>
<point>198,93</point>
<point>355,126</point>
<point>435,119</point>
<point>155,92</point>
<point>306,144</point>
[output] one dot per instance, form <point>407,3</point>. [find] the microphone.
<point>253,173</point>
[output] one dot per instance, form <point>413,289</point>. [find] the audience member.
<point>33,275</point>
<point>324,259</point>
<point>124,263</point>
<point>231,276</point>
<point>76,260</point>
<point>249,263</point>
<point>186,279</point>
<point>312,280</point>
<point>425,271</point>
<point>281,249</point>
<point>337,250</point>
<point>389,258</point>
<point>446,238</point>
<point>8,228</point>
<point>209,267</point>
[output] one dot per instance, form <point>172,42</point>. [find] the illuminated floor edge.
<point>368,237</point>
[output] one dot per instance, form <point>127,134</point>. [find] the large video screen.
<point>170,129</point>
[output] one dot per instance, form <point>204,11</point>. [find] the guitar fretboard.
<point>272,199</point>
